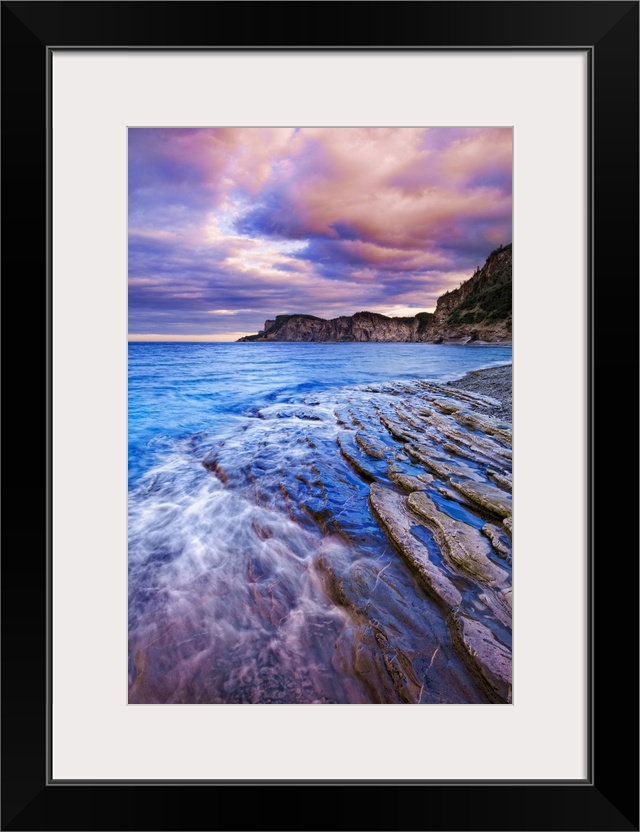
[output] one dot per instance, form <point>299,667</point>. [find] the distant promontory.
<point>478,310</point>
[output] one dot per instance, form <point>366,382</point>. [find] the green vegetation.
<point>499,249</point>
<point>489,297</point>
<point>489,306</point>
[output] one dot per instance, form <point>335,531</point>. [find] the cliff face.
<point>363,326</point>
<point>480,309</point>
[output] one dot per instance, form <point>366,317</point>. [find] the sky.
<point>232,226</point>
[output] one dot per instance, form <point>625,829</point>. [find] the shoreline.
<point>494,382</point>
<point>380,512</point>
<point>447,343</point>
<point>452,342</point>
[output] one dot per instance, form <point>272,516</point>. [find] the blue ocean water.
<point>234,470</point>
<point>179,389</point>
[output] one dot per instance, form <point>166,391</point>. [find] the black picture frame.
<point>608,798</point>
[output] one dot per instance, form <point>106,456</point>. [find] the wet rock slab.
<point>492,658</point>
<point>453,444</point>
<point>376,566</point>
<point>391,510</point>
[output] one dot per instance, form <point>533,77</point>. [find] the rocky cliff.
<point>363,326</point>
<point>481,308</point>
<point>478,310</point>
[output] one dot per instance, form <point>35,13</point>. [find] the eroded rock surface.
<point>445,504</point>
<point>378,557</point>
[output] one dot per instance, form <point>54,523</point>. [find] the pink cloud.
<point>386,189</point>
<point>320,220</point>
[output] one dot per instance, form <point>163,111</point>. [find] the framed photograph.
<point>320,501</point>
<point>317,521</point>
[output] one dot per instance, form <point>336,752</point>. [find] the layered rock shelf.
<point>366,556</point>
<point>428,467</point>
<point>451,446</point>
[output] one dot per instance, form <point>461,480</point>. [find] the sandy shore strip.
<point>495,382</point>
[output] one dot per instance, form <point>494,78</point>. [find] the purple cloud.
<point>229,227</point>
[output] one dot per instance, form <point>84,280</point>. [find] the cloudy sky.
<point>228,227</point>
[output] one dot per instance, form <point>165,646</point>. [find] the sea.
<point>242,511</point>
